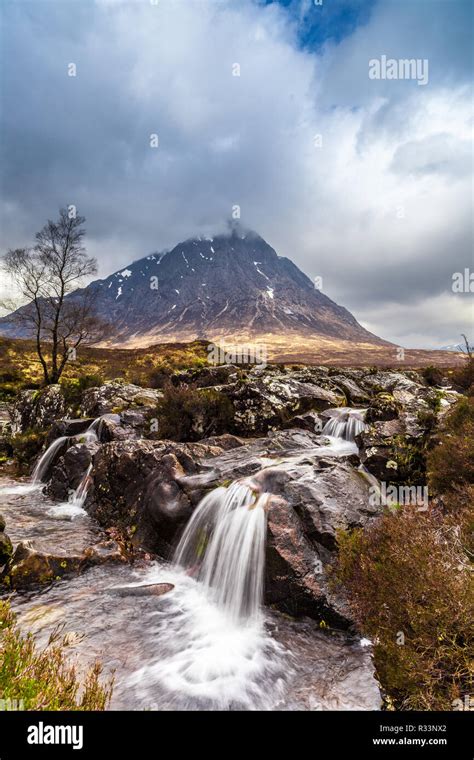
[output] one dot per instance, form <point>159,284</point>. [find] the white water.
<point>45,460</point>
<point>223,547</point>
<point>206,659</point>
<point>214,650</point>
<point>75,506</point>
<point>345,423</point>
<point>88,436</point>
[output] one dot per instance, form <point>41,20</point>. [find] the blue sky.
<point>331,21</point>
<point>365,183</point>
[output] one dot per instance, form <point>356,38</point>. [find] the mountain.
<point>454,347</point>
<point>233,285</point>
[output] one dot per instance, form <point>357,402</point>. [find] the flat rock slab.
<point>150,589</point>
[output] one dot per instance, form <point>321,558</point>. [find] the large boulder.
<point>136,488</point>
<point>116,397</point>
<point>314,496</point>
<point>267,402</point>
<point>69,469</point>
<point>38,408</point>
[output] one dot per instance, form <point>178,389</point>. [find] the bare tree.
<point>46,276</point>
<point>467,348</point>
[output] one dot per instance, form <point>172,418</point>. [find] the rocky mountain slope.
<point>233,286</point>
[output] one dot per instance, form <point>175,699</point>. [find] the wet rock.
<point>329,670</point>
<point>268,402</point>
<point>117,397</point>
<point>310,421</point>
<point>148,589</point>
<point>135,487</point>
<point>38,408</point>
<point>69,469</point>
<point>30,567</point>
<point>68,428</point>
<point>316,495</point>
<point>105,551</point>
<point>224,442</point>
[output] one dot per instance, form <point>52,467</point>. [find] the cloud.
<point>381,209</point>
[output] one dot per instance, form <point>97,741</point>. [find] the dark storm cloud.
<point>381,209</point>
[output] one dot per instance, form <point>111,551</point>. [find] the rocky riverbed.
<point>316,440</point>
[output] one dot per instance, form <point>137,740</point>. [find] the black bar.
<point>138,734</point>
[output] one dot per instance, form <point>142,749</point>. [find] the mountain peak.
<point>223,286</point>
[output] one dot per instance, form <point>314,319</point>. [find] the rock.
<point>149,589</point>
<point>30,567</point>
<point>265,403</point>
<point>208,377</point>
<point>224,442</point>
<point>68,428</point>
<point>349,387</point>
<point>38,409</point>
<point>381,408</point>
<point>315,496</point>
<point>117,397</point>
<point>6,548</point>
<point>310,421</point>
<point>69,469</point>
<point>135,487</point>
<point>2,523</point>
<point>104,552</point>
<point>330,670</point>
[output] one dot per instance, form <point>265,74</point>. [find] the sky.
<point>265,105</point>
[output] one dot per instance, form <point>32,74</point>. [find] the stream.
<point>207,643</point>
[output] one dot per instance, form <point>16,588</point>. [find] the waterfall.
<point>345,423</point>
<point>223,546</point>
<point>43,464</point>
<point>75,506</point>
<point>80,494</point>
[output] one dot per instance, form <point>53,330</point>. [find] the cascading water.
<point>43,464</point>
<point>214,649</point>
<point>75,505</point>
<point>223,547</point>
<point>345,423</point>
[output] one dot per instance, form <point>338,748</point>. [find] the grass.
<point>142,366</point>
<point>42,679</point>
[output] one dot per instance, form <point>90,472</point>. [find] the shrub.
<point>463,377</point>
<point>432,375</point>
<point>451,460</point>
<point>42,678</point>
<point>27,446</point>
<point>73,388</point>
<point>410,590</point>
<point>188,414</point>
